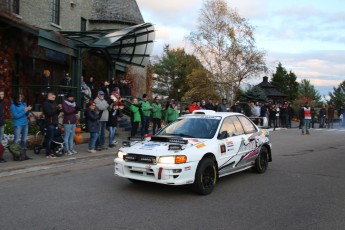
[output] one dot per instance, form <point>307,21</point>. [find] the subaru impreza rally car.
<point>196,149</point>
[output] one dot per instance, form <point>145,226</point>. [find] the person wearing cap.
<point>203,105</point>
<point>70,111</point>
<point>157,115</point>
<point>102,109</point>
<point>146,113</point>
<point>135,116</point>
<point>171,114</point>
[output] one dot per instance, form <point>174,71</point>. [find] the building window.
<point>83,24</point>
<point>15,6</point>
<point>56,12</point>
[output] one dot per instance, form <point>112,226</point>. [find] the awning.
<point>129,46</point>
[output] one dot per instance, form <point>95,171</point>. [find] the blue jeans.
<point>49,137</point>
<point>101,132</point>
<point>23,132</point>
<point>69,136</point>
<point>322,122</point>
<point>306,125</point>
<point>112,131</point>
<point>92,141</point>
<point>145,125</point>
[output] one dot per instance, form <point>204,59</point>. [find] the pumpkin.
<point>78,139</point>
<point>77,130</point>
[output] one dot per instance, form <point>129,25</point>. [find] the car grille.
<point>140,158</point>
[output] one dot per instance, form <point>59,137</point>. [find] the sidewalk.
<point>39,161</point>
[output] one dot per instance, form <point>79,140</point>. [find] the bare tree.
<point>224,43</point>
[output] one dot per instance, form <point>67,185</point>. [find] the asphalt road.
<point>304,188</point>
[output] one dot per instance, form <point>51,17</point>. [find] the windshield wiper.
<point>181,135</point>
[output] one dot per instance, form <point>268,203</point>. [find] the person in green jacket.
<point>146,113</point>
<point>135,116</point>
<point>157,115</point>
<point>171,114</point>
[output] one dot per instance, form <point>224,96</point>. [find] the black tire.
<point>59,151</point>
<point>261,162</point>
<point>37,149</point>
<point>205,177</point>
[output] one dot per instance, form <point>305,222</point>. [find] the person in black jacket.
<point>92,120</point>
<point>51,111</point>
<point>114,115</point>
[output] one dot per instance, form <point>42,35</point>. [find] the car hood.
<point>163,146</point>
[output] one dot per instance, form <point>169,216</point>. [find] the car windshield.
<point>194,127</point>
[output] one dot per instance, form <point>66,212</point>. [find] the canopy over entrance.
<point>128,46</point>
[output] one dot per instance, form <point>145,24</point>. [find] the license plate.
<point>138,169</point>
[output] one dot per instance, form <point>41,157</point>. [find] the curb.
<point>53,163</point>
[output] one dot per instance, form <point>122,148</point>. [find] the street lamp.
<point>178,94</point>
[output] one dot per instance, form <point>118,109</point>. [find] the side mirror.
<point>223,135</point>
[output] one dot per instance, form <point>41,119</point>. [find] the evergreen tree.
<point>337,98</point>
<point>307,90</point>
<point>254,93</point>
<point>285,82</point>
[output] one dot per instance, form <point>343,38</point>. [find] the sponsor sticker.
<point>201,145</point>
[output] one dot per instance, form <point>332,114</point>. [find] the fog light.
<point>177,170</point>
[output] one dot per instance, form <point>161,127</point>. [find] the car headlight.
<point>121,153</point>
<point>179,159</point>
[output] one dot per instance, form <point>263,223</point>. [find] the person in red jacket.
<point>193,106</point>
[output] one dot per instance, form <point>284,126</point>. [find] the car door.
<point>248,148</point>
<point>229,144</point>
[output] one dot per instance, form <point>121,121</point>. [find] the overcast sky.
<point>306,36</point>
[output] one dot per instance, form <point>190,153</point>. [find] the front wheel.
<point>37,149</point>
<point>59,150</point>
<point>261,162</point>
<point>205,177</point>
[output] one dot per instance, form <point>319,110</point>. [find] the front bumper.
<point>171,174</point>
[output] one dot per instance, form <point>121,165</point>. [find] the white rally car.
<point>196,149</point>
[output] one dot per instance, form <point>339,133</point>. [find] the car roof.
<point>211,113</point>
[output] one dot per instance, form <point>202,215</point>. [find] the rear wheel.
<point>205,177</point>
<point>261,162</point>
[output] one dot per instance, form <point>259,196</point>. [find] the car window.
<point>228,126</point>
<point>196,127</point>
<point>247,125</point>
<point>238,126</point>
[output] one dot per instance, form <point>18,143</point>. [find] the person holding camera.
<point>70,111</point>
<point>114,115</point>
<point>171,114</point>
<point>20,112</point>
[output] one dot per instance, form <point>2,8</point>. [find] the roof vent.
<point>204,112</point>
